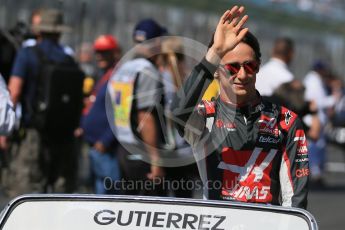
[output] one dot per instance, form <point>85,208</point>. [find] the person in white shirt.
<point>7,115</point>
<point>276,71</point>
<point>315,86</point>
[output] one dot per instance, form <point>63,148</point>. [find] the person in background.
<point>276,71</point>
<point>173,73</point>
<point>7,114</point>
<point>137,98</point>
<point>289,94</point>
<point>7,122</point>
<point>33,34</point>
<point>94,124</point>
<point>315,83</point>
<point>336,114</point>
<point>10,40</point>
<point>41,162</point>
<point>33,37</point>
<point>334,130</point>
<point>87,64</point>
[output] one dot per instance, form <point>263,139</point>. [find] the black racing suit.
<point>253,153</point>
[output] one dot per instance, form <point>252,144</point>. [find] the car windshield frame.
<point>6,212</point>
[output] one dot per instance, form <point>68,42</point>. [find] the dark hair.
<point>283,46</point>
<point>248,39</point>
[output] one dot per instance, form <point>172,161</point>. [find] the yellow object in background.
<point>212,91</point>
<point>123,93</point>
<point>89,82</point>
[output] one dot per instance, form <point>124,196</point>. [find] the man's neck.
<point>239,100</point>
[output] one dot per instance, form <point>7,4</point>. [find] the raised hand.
<point>229,33</point>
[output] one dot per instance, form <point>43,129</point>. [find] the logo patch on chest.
<point>288,117</point>
<point>268,125</point>
<point>230,126</point>
<point>268,139</point>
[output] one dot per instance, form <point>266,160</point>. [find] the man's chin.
<point>240,92</point>
<point>102,64</point>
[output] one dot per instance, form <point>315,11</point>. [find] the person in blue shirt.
<point>104,166</point>
<point>42,163</point>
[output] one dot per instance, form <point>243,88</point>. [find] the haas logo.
<point>248,182</point>
<point>268,125</point>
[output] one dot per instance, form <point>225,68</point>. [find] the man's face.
<point>35,21</point>
<point>105,59</point>
<point>237,72</point>
<point>150,48</point>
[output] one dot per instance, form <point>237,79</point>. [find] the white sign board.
<point>111,215</point>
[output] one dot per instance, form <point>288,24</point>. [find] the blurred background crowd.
<point>315,36</point>
<point>302,42</point>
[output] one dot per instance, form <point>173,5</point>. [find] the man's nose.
<point>242,74</point>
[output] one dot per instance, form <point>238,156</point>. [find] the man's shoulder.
<point>137,63</point>
<point>312,77</point>
<point>25,58</point>
<point>134,65</point>
<point>270,64</point>
<point>29,42</point>
<point>54,51</point>
<point>146,70</point>
<point>135,69</point>
<point>26,52</point>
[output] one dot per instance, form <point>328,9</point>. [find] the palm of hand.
<point>227,37</point>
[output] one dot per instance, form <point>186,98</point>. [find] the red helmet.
<point>105,42</point>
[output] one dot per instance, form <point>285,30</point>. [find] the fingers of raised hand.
<point>242,21</point>
<point>232,16</point>
<point>228,15</point>
<point>236,26</point>
<point>233,19</point>
<point>242,33</point>
<point>224,17</point>
<point>236,17</point>
<point>240,24</point>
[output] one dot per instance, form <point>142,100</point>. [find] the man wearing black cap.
<point>148,29</point>
<point>137,94</point>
